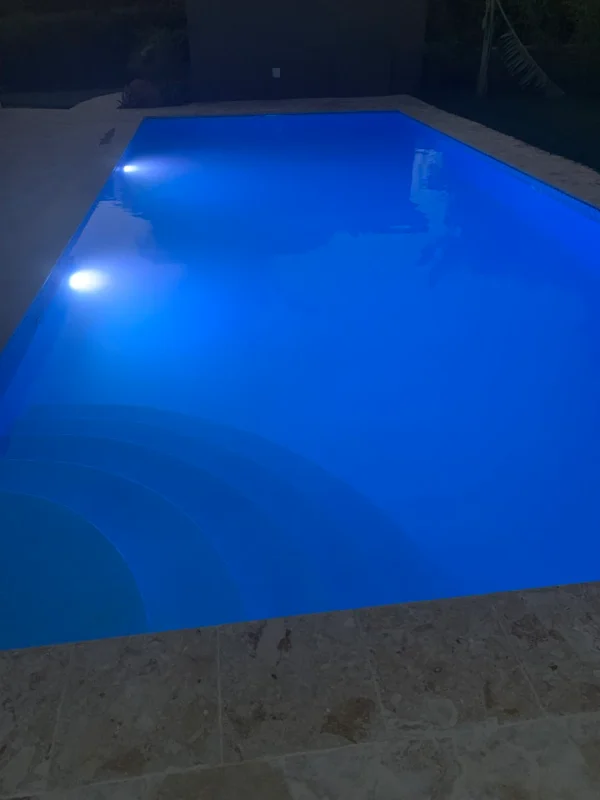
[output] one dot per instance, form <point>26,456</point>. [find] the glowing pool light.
<point>88,280</point>
<point>130,168</point>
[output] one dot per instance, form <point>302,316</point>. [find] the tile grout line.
<point>520,662</point>
<point>63,695</point>
<point>149,776</point>
<point>445,734</point>
<point>220,698</point>
<point>441,734</point>
<point>373,672</point>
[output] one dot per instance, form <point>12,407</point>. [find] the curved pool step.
<point>181,580</point>
<point>361,556</point>
<point>342,503</point>
<point>255,553</point>
<point>61,580</point>
<point>333,568</point>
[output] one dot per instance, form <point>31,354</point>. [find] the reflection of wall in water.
<point>427,189</point>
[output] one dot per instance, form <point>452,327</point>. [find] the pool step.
<point>233,528</point>
<point>60,577</point>
<point>215,524</point>
<point>177,573</point>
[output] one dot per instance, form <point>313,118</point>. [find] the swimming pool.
<point>300,363</point>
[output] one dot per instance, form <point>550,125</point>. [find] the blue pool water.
<point>300,363</point>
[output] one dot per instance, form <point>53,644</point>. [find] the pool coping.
<point>428,689</point>
<point>576,180</point>
<point>442,695</point>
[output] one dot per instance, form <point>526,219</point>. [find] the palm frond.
<point>488,26</point>
<point>521,64</point>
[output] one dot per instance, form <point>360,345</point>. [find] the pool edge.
<point>126,715</point>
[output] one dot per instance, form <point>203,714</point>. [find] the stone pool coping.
<point>577,180</point>
<point>465,698</point>
<point>461,698</point>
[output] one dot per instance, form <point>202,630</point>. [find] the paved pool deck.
<point>481,698</point>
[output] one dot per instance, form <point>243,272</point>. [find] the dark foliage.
<point>77,50</point>
<point>562,35</point>
<point>160,68</point>
<point>141,94</point>
<point>162,56</point>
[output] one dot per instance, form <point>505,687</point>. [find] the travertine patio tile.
<point>155,708</point>
<point>296,684</point>
<point>445,664</point>
<point>31,687</point>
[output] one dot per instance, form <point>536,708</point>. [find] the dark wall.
<point>323,47</point>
